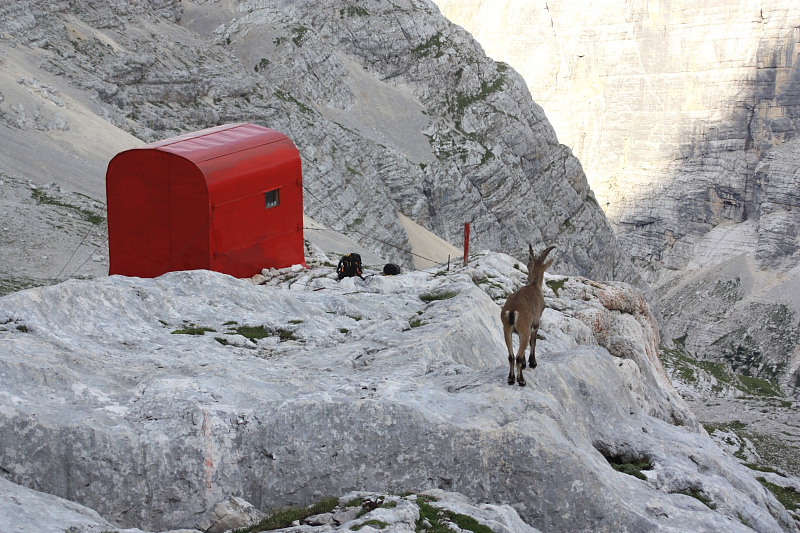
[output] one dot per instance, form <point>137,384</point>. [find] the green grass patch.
<point>762,468</point>
<point>264,63</point>
<point>556,285</point>
<point>298,33</point>
<point>788,496</point>
<point>355,502</point>
<point>467,523</point>
<point>733,426</point>
<point>417,322</point>
<point>42,198</point>
<point>432,297</point>
<point>14,284</point>
<point>286,97</point>
<point>720,371</point>
<point>285,334</point>
<point>261,332</point>
<point>283,517</point>
<point>464,100</point>
<point>699,496</point>
<point>782,455</point>
<point>689,369</point>
<point>433,46</point>
<point>759,387</point>
<point>681,363</point>
<point>253,332</point>
<point>773,450</point>
<point>632,467</point>
<point>352,11</point>
<point>440,518</point>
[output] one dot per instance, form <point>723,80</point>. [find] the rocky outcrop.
<point>125,395</point>
<point>358,511</point>
<point>384,122</point>
<point>778,207</point>
<point>735,313</point>
<point>24,510</point>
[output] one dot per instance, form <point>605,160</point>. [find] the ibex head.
<point>537,266</point>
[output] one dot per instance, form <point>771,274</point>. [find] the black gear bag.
<point>349,266</point>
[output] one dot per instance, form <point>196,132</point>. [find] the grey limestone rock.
<point>377,389</point>
<point>233,513</point>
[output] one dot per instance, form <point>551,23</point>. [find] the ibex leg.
<point>534,334</point>
<point>523,345</point>
<point>510,345</point>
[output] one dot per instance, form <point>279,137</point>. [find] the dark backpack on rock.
<point>390,269</point>
<point>349,266</point>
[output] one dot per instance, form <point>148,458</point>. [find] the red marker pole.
<point>466,242</point>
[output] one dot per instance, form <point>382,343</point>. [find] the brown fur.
<point>521,314</point>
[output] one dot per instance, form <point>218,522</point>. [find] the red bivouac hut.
<point>228,199</point>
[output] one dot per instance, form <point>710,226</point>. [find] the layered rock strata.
<point>394,109</point>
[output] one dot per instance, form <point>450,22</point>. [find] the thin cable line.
<point>376,239</point>
<point>97,247</point>
<point>366,235</point>
<point>91,228</point>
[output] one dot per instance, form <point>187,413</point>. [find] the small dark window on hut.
<point>273,198</point>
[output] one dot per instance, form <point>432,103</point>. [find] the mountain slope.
<point>385,124</point>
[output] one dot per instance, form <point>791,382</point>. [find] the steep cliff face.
<point>670,106</point>
<point>394,109</point>
<point>684,115</point>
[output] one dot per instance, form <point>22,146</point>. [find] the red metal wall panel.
<point>189,216</point>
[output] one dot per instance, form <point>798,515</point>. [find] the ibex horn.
<point>544,254</point>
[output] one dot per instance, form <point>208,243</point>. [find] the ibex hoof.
<point>510,381</point>
<point>521,383</point>
<point>533,364</point>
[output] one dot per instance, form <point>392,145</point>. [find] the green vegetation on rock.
<point>283,517</point>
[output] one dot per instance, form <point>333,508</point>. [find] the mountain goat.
<point>521,314</point>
